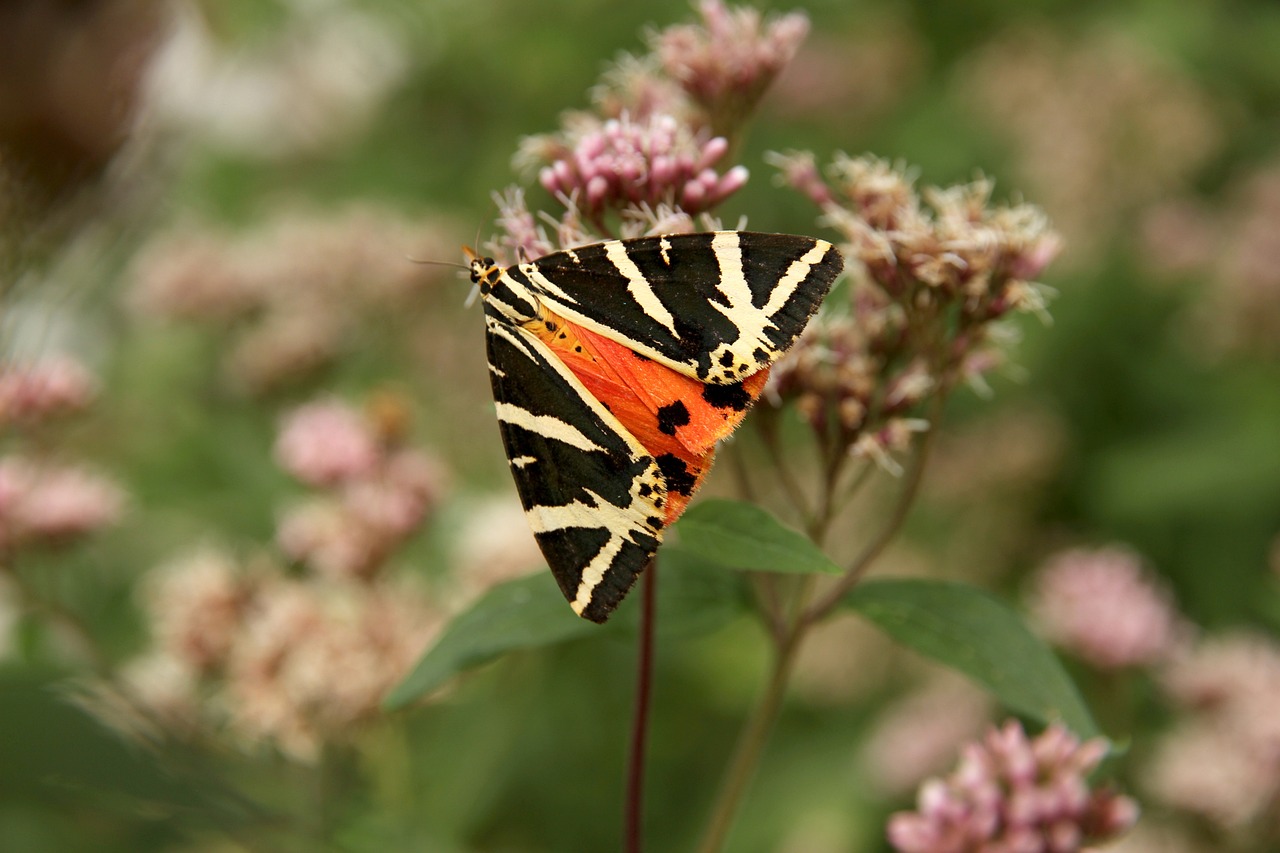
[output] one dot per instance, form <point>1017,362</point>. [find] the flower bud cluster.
<point>933,273</point>
<point>46,501</point>
<point>648,159</point>
<point>374,493</point>
<point>292,294</point>
<point>1014,793</point>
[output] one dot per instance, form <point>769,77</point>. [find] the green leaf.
<point>744,536</point>
<point>694,597</point>
<point>527,613</point>
<point>521,614</point>
<point>965,628</point>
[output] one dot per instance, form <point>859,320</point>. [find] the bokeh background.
<point>208,209</point>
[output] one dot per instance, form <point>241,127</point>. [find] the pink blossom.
<point>1101,606</point>
<point>49,504</point>
<point>920,734</point>
<point>728,60</point>
<point>195,605</point>
<point>325,443</point>
<point>642,161</point>
<point>331,539</point>
<point>314,660</point>
<point>400,495</point>
<point>1222,760</point>
<point>34,392</point>
<point>1014,794</point>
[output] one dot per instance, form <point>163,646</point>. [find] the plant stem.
<point>634,810</point>
<point>901,509</point>
<point>751,744</point>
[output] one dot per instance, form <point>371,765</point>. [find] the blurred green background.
<point>1147,413</point>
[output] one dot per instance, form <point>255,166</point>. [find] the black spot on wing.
<point>731,396</point>
<point>671,417</point>
<point>677,474</point>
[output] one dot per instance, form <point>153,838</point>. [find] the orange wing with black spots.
<point>617,367</point>
<point>667,412</point>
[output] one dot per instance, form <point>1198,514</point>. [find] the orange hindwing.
<point>675,417</point>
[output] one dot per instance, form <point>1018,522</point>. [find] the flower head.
<point>727,61</point>
<point>1102,606</point>
<point>314,660</point>
<point>196,604</point>
<point>933,273</point>
<point>50,504</point>
<point>325,443</point>
<point>34,392</point>
<point>1222,760</point>
<point>1011,793</point>
<point>607,164</point>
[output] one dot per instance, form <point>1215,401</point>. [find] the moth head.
<point>484,271</point>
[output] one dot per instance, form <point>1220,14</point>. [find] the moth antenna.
<point>453,264</point>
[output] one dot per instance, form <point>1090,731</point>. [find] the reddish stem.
<point>634,817</point>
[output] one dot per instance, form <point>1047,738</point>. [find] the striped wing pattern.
<point>591,493</point>
<point>717,307</point>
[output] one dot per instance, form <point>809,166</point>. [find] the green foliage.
<point>745,536</point>
<point>965,628</point>
<point>510,732</point>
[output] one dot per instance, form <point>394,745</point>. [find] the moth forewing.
<point>609,436</point>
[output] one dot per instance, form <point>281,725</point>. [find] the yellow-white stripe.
<point>639,286</point>
<point>545,426</point>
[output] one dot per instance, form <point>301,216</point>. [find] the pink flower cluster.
<point>650,152</point>
<point>292,294</point>
<point>44,503</point>
<point>376,495</point>
<point>1221,761</point>
<point>30,393</point>
<point>1012,794</point>
<point>731,57</point>
<point>648,161</point>
<point>934,272</point>
<point>1101,606</point>
<point>290,662</point>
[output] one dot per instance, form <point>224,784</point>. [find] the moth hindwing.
<point>615,369</point>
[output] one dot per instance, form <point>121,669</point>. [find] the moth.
<point>616,368</point>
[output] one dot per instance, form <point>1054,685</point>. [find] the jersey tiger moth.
<point>616,368</point>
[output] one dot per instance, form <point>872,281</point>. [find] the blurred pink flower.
<point>1101,606</point>
<point>288,344</point>
<point>1014,794</point>
<point>314,660</point>
<point>726,62</point>
<point>1205,769</point>
<point>45,503</point>
<point>195,605</point>
<point>33,392</point>
<point>194,275</point>
<point>1100,123</point>
<point>327,536</point>
<point>1223,760</point>
<point>918,735</point>
<point>325,443</point>
<point>610,163</point>
<point>399,496</point>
